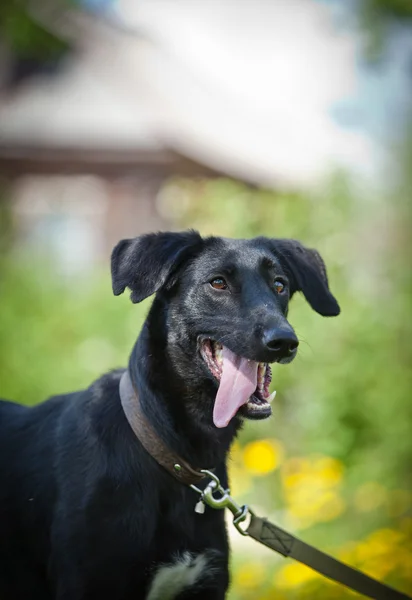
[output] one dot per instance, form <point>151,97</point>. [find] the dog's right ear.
<point>307,273</point>
<point>146,263</point>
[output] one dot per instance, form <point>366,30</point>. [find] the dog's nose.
<point>281,341</point>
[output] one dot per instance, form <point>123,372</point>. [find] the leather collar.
<point>174,464</point>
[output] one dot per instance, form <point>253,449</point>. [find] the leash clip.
<point>224,500</point>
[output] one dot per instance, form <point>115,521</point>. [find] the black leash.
<point>261,530</point>
<point>288,545</point>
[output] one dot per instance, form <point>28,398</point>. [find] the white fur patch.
<point>171,579</point>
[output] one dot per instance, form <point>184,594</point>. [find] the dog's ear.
<point>307,273</point>
<point>144,264</point>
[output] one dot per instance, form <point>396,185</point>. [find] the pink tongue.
<point>237,384</point>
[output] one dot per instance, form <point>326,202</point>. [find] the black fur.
<point>85,512</point>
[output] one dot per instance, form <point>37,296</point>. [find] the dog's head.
<point>226,302</point>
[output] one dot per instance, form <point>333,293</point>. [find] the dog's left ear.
<point>307,273</point>
<point>146,263</point>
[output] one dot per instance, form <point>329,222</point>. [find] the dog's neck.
<point>174,410</point>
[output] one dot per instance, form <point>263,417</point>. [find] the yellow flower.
<point>294,575</point>
<point>386,538</point>
<point>329,470</point>
<point>320,505</point>
<point>293,471</point>
<point>263,456</point>
<point>333,506</point>
<point>310,489</point>
<point>380,552</point>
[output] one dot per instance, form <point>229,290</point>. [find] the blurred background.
<point>285,118</point>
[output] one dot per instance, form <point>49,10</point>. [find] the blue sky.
<point>383,101</point>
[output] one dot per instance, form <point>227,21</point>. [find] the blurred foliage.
<point>378,18</point>
<point>27,36</point>
<point>333,463</point>
<point>401,9</point>
<point>33,46</point>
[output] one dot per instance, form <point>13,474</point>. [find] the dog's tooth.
<point>271,397</point>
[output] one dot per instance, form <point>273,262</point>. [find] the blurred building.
<point>155,89</point>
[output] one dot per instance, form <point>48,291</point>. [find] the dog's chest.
<point>187,571</point>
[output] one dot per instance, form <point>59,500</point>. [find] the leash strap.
<point>288,545</point>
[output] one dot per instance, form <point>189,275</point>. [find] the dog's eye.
<point>219,283</point>
<point>279,286</point>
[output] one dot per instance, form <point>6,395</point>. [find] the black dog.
<point>86,513</point>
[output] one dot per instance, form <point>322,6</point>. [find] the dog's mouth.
<point>243,384</point>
